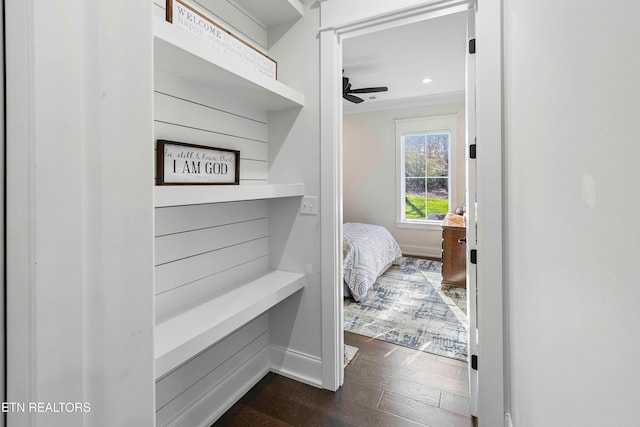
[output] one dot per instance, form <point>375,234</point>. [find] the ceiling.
<point>400,58</point>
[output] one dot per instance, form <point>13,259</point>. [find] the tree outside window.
<point>426,160</point>
<point>425,182</point>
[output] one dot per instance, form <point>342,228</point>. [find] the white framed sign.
<point>196,23</point>
<point>179,163</point>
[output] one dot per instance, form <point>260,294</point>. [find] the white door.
<point>470,115</point>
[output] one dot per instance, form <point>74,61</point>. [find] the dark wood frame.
<point>454,252</point>
<point>160,144</point>
<point>169,18</point>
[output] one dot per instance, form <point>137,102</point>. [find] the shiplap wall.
<point>185,112</point>
<point>202,250</point>
<point>202,389</point>
<point>231,17</point>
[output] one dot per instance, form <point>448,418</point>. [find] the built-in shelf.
<point>182,336</point>
<point>180,54</point>
<point>181,195</point>
<point>273,12</point>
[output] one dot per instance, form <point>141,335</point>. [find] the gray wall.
<point>370,171</point>
<point>571,121</point>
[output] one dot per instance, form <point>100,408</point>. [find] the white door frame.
<point>3,344</point>
<point>489,188</point>
<point>470,186</point>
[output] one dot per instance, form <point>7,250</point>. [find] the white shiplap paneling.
<point>173,109</point>
<point>181,272</point>
<point>185,112</point>
<point>179,219</point>
<point>248,369</point>
<point>184,245</point>
<point>201,290</point>
<point>177,86</point>
<point>253,150</point>
<point>177,392</point>
<point>231,17</point>
<point>204,250</point>
<point>180,379</point>
<point>238,21</point>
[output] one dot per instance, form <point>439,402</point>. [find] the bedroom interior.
<point>370,193</point>
<point>394,287</point>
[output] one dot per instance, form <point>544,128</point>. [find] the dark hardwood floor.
<point>384,385</point>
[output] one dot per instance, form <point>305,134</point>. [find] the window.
<point>425,150</point>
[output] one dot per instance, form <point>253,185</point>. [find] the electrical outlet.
<point>309,205</point>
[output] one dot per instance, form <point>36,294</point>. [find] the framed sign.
<point>199,25</point>
<point>178,163</point>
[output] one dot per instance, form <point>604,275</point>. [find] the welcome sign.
<point>203,28</point>
<point>179,163</point>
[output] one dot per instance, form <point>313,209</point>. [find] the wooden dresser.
<point>454,252</point>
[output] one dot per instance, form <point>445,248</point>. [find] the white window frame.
<point>427,125</point>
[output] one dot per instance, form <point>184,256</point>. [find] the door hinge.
<point>474,362</point>
<point>472,46</point>
<point>474,256</point>
<point>472,151</point>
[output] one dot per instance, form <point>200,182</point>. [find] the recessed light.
<point>426,80</point>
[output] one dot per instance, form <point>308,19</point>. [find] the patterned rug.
<point>406,307</point>
<point>349,353</point>
<point>459,297</point>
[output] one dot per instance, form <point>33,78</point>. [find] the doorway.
<point>403,170</point>
<point>489,184</point>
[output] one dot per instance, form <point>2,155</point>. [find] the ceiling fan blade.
<point>352,98</point>
<point>369,89</point>
<point>347,91</point>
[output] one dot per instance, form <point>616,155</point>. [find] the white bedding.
<point>367,252</point>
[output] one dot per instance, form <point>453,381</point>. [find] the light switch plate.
<point>309,205</point>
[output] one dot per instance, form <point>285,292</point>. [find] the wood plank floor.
<point>384,385</point>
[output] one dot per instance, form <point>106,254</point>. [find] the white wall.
<point>79,218</point>
<point>571,117</point>
<point>294,147</point>
<point>369,162</point>
<point>336,12</point>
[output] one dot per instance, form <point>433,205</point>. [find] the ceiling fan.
<point>347,91</point>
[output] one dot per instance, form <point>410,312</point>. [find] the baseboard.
<point>507,420</point>
<point>296,365</point>
<point>206,410</point>
<point>223,395</point>
<point>423,251</point>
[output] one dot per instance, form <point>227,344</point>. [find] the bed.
<point>367,252</point>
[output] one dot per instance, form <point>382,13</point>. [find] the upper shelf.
<point>179,195</point>
<point>273,13</point>
<point>179,54</point>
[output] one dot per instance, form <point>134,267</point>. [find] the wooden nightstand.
<point>454,252</point>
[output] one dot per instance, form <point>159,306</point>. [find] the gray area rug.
<point>459,297</point>
<point>405,306</point>
<point>349,353</point>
